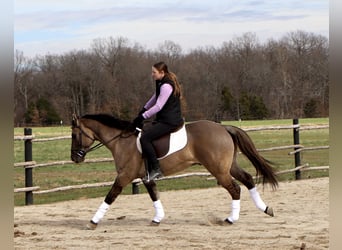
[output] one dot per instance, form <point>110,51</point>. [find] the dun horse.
<point>208,143</point>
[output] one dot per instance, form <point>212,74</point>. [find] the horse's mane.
<point>110,121</point>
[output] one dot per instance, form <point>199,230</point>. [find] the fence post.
<point>135,188</point>
<point>297,154</point>
<point>28,171</point>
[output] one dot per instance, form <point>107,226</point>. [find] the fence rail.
<point>29,164</point>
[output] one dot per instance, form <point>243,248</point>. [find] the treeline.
<point>242,79</point>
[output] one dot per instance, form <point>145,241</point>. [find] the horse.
<point>209,144</point>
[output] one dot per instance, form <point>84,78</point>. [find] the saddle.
<point>167,144</point>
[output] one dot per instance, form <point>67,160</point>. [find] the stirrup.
<point>146,178</point>
<point>155,175</point>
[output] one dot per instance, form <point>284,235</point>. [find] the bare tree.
<point>169,52</point>
<point>304,48</point>
<point>110,53</point>
<point>289,77</point>
<point>23,77</point>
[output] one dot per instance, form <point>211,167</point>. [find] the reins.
<point>101,144</point>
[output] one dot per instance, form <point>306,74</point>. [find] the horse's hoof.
<point>269,211</point>
<point>154,223</point>
<point>91,225</point>
<point>225,222</point>
<point>228,221</point>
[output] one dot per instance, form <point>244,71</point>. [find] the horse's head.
<point>81,140</point>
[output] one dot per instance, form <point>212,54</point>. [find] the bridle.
<point>81,151</point>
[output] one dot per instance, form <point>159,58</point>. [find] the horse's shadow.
<point>65,223</point>
<point>122,222</point>
<point>80,224</point>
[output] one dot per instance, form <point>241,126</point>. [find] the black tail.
<point>246,145</point>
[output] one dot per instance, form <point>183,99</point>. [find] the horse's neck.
<point>106,134</point>
<point>113,138</point>
<point>120,145</point>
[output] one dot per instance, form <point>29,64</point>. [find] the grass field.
<point>72,174</point>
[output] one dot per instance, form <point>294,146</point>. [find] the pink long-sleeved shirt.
<point>154,105</point>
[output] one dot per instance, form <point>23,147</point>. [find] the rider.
<point>165,103</point>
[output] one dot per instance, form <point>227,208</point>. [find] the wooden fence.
<point>29,164</point>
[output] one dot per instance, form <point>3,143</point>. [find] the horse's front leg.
<point>110,198</point>
<point>158,207</point>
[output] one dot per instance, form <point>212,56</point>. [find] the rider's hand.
<point>138,121</point>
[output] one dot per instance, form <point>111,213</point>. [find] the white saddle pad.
<point>178,141</point>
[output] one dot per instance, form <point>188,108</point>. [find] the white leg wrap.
<point>235,214</point>
<point>100,212</point>
<point>159,211</point>
<point>257,199</point>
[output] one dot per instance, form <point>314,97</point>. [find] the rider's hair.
<point>161,66</point>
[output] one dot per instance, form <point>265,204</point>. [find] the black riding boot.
<point>153,172</point>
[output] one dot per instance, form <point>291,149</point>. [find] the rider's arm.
<point>165,92</point>
<point>150,102</point>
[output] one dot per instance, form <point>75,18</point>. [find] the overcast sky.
<point>59,26</point>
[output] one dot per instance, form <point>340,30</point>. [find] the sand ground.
<point>301,221</point>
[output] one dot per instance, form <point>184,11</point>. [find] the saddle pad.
<point>178,141</point>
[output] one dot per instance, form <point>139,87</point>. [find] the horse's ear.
<point>75,122</point>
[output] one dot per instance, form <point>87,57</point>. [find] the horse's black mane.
<point>110,121</point>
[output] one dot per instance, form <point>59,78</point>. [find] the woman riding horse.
<point>209,144</point>
<point>165,103</point>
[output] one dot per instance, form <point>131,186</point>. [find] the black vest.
<point>171,112</point>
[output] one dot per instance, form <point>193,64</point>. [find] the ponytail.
<point>178,91</point>
<point>173,77</point>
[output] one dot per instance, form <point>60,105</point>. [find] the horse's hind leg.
<point>247,180</point>
<point>234,190</point>
<point>158,207</point>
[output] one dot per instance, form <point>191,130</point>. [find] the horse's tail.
<point>246,145</point>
